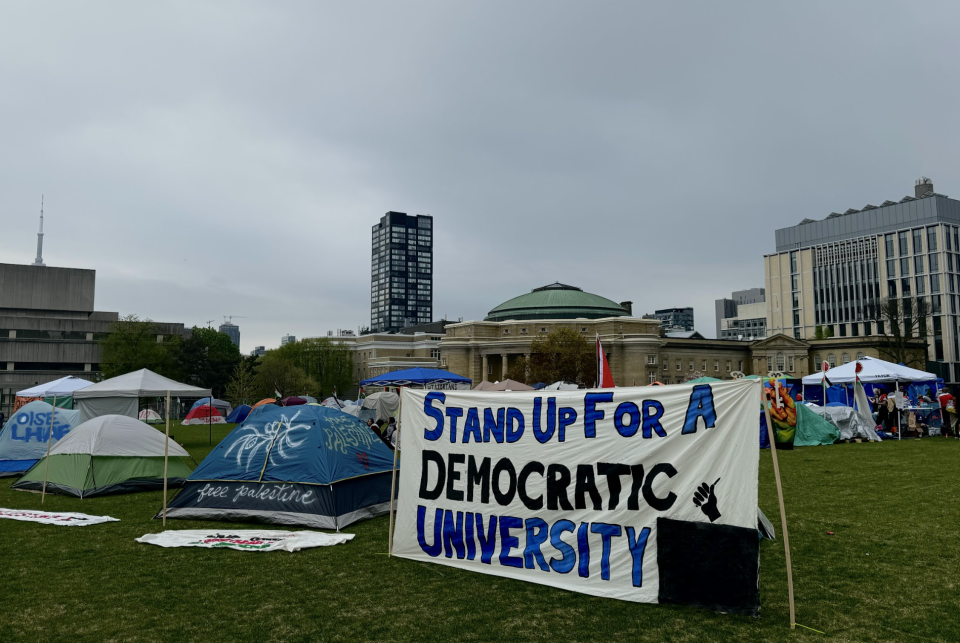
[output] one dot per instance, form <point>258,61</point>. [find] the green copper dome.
<point>557,301</point>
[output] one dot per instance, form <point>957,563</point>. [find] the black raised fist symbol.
<point>707,500</point>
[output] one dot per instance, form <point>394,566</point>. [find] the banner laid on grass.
<point>644,494</point>
<point>245,539</point>
<point>54,518</point>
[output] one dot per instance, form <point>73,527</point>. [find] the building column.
<point>503,369</point>
<point>486,367</point>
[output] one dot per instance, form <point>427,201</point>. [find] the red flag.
<point>604,376</point>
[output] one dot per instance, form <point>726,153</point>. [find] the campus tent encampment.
<point>203,415</point>
<point>108,454</point>
<point>239,414</point>
<point>150,416</point>
<point>121,395</point>
<point>812,429</point>
<point>303,465</point>
<point>417,377</point>
<point>23,441</point>
<point>293,400</point>
<point>505,385</point>
<point>874,370</point>
<point>224,407</point>
<point>849,423</point>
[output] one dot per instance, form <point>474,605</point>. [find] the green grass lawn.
<point>896,502</point>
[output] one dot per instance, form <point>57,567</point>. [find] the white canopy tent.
<point>61,388</point>
<point>874,370</point>
<point>121,395</point>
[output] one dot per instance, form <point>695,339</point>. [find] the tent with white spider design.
<point>302,465</point>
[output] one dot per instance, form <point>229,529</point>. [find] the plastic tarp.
<point>850,423</point>
<point>23,440</point>
<point>63,387</point>
<point>306,465</point>
<point>120,395</point>
<point>239,414</point>
<point>385,404</point>
<point>116,435</point>
<point>420,376</point>
<point>874,370</point>
<point>812,429</point>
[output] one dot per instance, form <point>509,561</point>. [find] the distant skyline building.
<point>674,319</point>
<point>727,308</point>
<point>401,272</point>
<point>232,331</point>
<point>287,339</point>
<point>258,351</point>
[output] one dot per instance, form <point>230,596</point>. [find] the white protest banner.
<point>244,539</point>
<point>644,494</point>
<point>54,518</point>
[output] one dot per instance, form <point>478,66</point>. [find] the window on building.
<point>790,363</point>
<point>780,362</point>
<point>831,360</point>
<point>935,305</point>
<point>891,268</point>
<point>817,360</point>
<point>651,359</point>
<point>921,285</point>
<point>793,261</point>
<point>905,288</point>
<point>845,358</point>
<point>703,367</point>
<point>932,239</point>
<point>934,283</point>
<point>946,238</point>
<point>918,264</point>
<point>716,366</point>
<point>665,365</point>
<point>888,245</point>
<point>583,329</point>
<point>935,262</point>
<point>651,377</point>
<point>691,366</point>
<point>860,355</point>
<point>506,331</point>
<point>728,366</point>
<point>523,330</point>
<point>679,365</point>
<point>917,240</point>
<point>769,364</point>
<point>902,242</point>
<point>905,266</point>
<point>543,329</point>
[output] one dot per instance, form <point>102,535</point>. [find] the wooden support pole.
<point>46,466</point>
<point>166,453</point>
<point>783,511</point>
<point>393,475</point>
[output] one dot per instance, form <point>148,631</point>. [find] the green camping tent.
<point>812,429</point>
<point>108,454</point>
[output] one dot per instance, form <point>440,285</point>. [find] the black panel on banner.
<point>707,565</point>
<point>239,496</point>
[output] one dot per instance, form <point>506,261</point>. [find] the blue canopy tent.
<point>422,377</point>
<point>302,465</point>
<point>239,414</point>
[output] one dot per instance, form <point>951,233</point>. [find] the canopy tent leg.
<point>166,453</point>
<point>393,476</point>
<point>46,464</point>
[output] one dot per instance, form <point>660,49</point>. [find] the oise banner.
<point>645,494</point>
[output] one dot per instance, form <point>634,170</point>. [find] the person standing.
<point>390,433</point>
<point>948,408</point>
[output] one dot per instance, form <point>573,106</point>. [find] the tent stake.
<point>46,466</point>
<point>783,511</point>
<point>393,476</point>
<point>166,452</point>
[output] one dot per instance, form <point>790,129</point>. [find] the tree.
<point>240,388</point>
<point>208,358</point>
<point>329,364</point>
<point>132,345</point>
<point>279,374</point>
<point>899,323</point>
<point>563,354</point>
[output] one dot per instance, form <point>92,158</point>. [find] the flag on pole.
<point>826,367</point>
<point>276,393</point>
<point>604,376</point>
<point>362,394</point>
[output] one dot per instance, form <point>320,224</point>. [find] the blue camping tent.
<point>222,406</point>
<point>239,414</point>
<point>417,377</point>
<point>302,465</point>
<point>23,440</point>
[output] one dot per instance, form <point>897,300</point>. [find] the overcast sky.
<point>230,158</point>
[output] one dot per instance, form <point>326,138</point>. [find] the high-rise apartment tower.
<point>401,272</point>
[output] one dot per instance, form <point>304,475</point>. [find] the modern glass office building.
<point>401,291</point>
<point>829,273</point>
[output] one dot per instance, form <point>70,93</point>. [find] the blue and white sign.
<point>24,437</point>
<point>645,494</point>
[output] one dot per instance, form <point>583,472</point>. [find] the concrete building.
<point>727,308</point>
<point>829,273</point>
<point>258,351</point>
<point>401,272</point>
<point>639,350</point>
<point>674,319</point>
<point>232,331</point>
<point>287,339</point>
<point>749,323</point>
<point>49,328</point>
<point>378,353</point>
